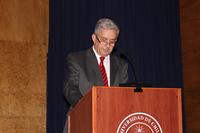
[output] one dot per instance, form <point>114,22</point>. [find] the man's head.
<point>105,36</point>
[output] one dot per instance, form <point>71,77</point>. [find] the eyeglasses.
<point>105,41</point>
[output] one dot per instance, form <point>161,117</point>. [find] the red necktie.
<point>103,71</point>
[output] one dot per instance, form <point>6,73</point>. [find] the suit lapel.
<point>93,71</point>
<point>113,70</point>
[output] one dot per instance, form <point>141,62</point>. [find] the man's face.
<point>104,41</point>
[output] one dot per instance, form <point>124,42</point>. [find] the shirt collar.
<point>98,56</point>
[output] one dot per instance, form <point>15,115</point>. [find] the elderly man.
<point>96,65</point>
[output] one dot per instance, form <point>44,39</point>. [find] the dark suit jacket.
<point>82,72</point>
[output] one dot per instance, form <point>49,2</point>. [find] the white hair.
<point>106,23</point>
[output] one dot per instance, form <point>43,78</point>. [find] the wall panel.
<point>190,36</point>
<point>23,56</point>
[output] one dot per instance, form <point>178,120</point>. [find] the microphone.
<point>137,83</point>
<point>128,58</point>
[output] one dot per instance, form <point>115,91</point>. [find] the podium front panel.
<point>122,110</point>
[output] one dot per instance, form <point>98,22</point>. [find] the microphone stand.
<point>136,84</point>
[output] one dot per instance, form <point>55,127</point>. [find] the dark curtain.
<point>149,34</point>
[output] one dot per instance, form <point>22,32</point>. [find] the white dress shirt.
<point>106,63</point>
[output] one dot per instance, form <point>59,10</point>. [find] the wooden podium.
<point>121,110</point>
